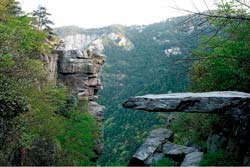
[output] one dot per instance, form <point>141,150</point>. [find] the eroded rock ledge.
<point>235,136</point>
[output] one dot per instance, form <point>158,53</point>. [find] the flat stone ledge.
<point>208,102</point>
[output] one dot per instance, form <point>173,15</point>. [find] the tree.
<point>43,22</point>
<point>9,8</point>
<point>223,61</point>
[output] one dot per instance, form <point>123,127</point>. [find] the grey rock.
<point>51,66</point>
<point>154,140</point>
<point>192,159</point>
<point>80,71</point>
<point>209,102</point>
<point>96,110</point>
<point>73,66</point>
<point>172,149</point>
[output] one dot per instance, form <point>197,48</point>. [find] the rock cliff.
<point>233,106</point>
<point>80,71</point>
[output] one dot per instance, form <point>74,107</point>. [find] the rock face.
<point>235,106</point>
<point>80,71</point>
<point>95,41</point>
<point>51,66</point>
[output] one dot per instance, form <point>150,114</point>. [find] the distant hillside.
<point>140,60</point>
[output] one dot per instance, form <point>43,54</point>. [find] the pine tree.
<point>43,22</point>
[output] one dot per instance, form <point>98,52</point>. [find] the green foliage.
<point>77,140</point>
<point>164,162</point>
<point>218,158</point>
<point>43,124</point>
<point>9,8</point>
<point>20,38</point>
<point>12,103</point>
<point>194,128</point>
<point>6,62</point>
<point>71,105</point>
<point>224,59</point>
<point>42,118</point>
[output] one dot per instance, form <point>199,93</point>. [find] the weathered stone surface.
<point>172,149</point>
<point>80,71</point>
<point>210,102</point>
<point>154,140</point>
<point>51,67</point>
<point>73,66</point>
<point>192,159</point>
<point>96,110</point>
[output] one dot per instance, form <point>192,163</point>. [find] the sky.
<point>99,13</point>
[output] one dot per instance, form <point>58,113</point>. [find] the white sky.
<point>98,13</point>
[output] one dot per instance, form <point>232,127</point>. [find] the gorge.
<point>68,94</point>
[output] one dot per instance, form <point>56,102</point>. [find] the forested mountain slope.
<point>150,61</point>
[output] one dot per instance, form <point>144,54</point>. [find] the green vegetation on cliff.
<point>40,124</point>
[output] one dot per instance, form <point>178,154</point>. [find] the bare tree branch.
<point>230,17</point>
<point>243,3</point>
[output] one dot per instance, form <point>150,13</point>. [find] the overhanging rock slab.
<point>208,102</point>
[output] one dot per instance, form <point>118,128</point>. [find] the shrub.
<point>194,128</point>
<point>164,162</point>
<point>219,158</point>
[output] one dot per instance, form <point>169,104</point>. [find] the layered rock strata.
<point>234,136</point>
<point>80,71</point>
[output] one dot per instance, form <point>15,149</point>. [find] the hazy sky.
<point>98,13</point>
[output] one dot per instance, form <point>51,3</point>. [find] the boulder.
<point>153,142</point>
<point>192,159</point>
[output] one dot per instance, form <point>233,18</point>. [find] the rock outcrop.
<point>80,71</point>
<point>158,145</point>
<point>235,106</point>
<point>147,152</point>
